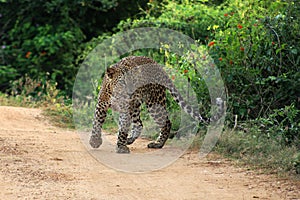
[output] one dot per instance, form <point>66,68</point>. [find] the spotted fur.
<point>126,85</point>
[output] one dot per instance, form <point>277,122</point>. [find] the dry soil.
<point>40,161</point>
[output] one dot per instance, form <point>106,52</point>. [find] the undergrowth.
<point>42,94</point>
<point>260,152</point>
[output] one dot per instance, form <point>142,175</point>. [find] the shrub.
<point>40,37</point>
<point>259,59</point>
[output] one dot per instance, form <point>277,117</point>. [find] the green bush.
<point>283,125</point>
<point>40,37</point>
<point>258,58</point>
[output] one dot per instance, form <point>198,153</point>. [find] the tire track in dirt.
<point>40,161</point>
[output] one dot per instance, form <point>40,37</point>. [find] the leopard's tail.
<point>156,74</point>
<point>194,113</point>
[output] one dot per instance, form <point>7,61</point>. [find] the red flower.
<point>211,44</point>
<point>231,62</point>
<point>226,14</point>
<point>28,54</point>
<point>185,71</point>
<point>242,48</point>
<point>173,77</point>
<point>240,26</point>
<point>220,59</point>
<point>273,43</point>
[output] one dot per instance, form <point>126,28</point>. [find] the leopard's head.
<point>112,76</point>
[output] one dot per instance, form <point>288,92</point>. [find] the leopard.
<point>126,85</point>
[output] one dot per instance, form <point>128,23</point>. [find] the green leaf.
<point>294,51</point>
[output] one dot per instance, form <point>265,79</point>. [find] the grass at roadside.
<point>60,115</point>
<point>257,152</point>
<point>260,152</point>
<point>6,100</point>
<point>58,112</point>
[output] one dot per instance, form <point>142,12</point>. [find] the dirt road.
<point>40,161</point>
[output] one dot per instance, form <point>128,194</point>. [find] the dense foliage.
<point>39,37</point>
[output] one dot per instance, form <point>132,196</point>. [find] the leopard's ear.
<point>110,72</point>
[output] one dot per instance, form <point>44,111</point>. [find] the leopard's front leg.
<point>99,118</point>
<point>124,125</point>
<point>137,124</point>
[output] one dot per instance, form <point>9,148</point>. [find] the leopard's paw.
<point>155,145</point>
<point>122,149</point>
<point>130,140</point>
<point>95,141</point>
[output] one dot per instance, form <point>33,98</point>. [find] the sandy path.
<point>39,161</point>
